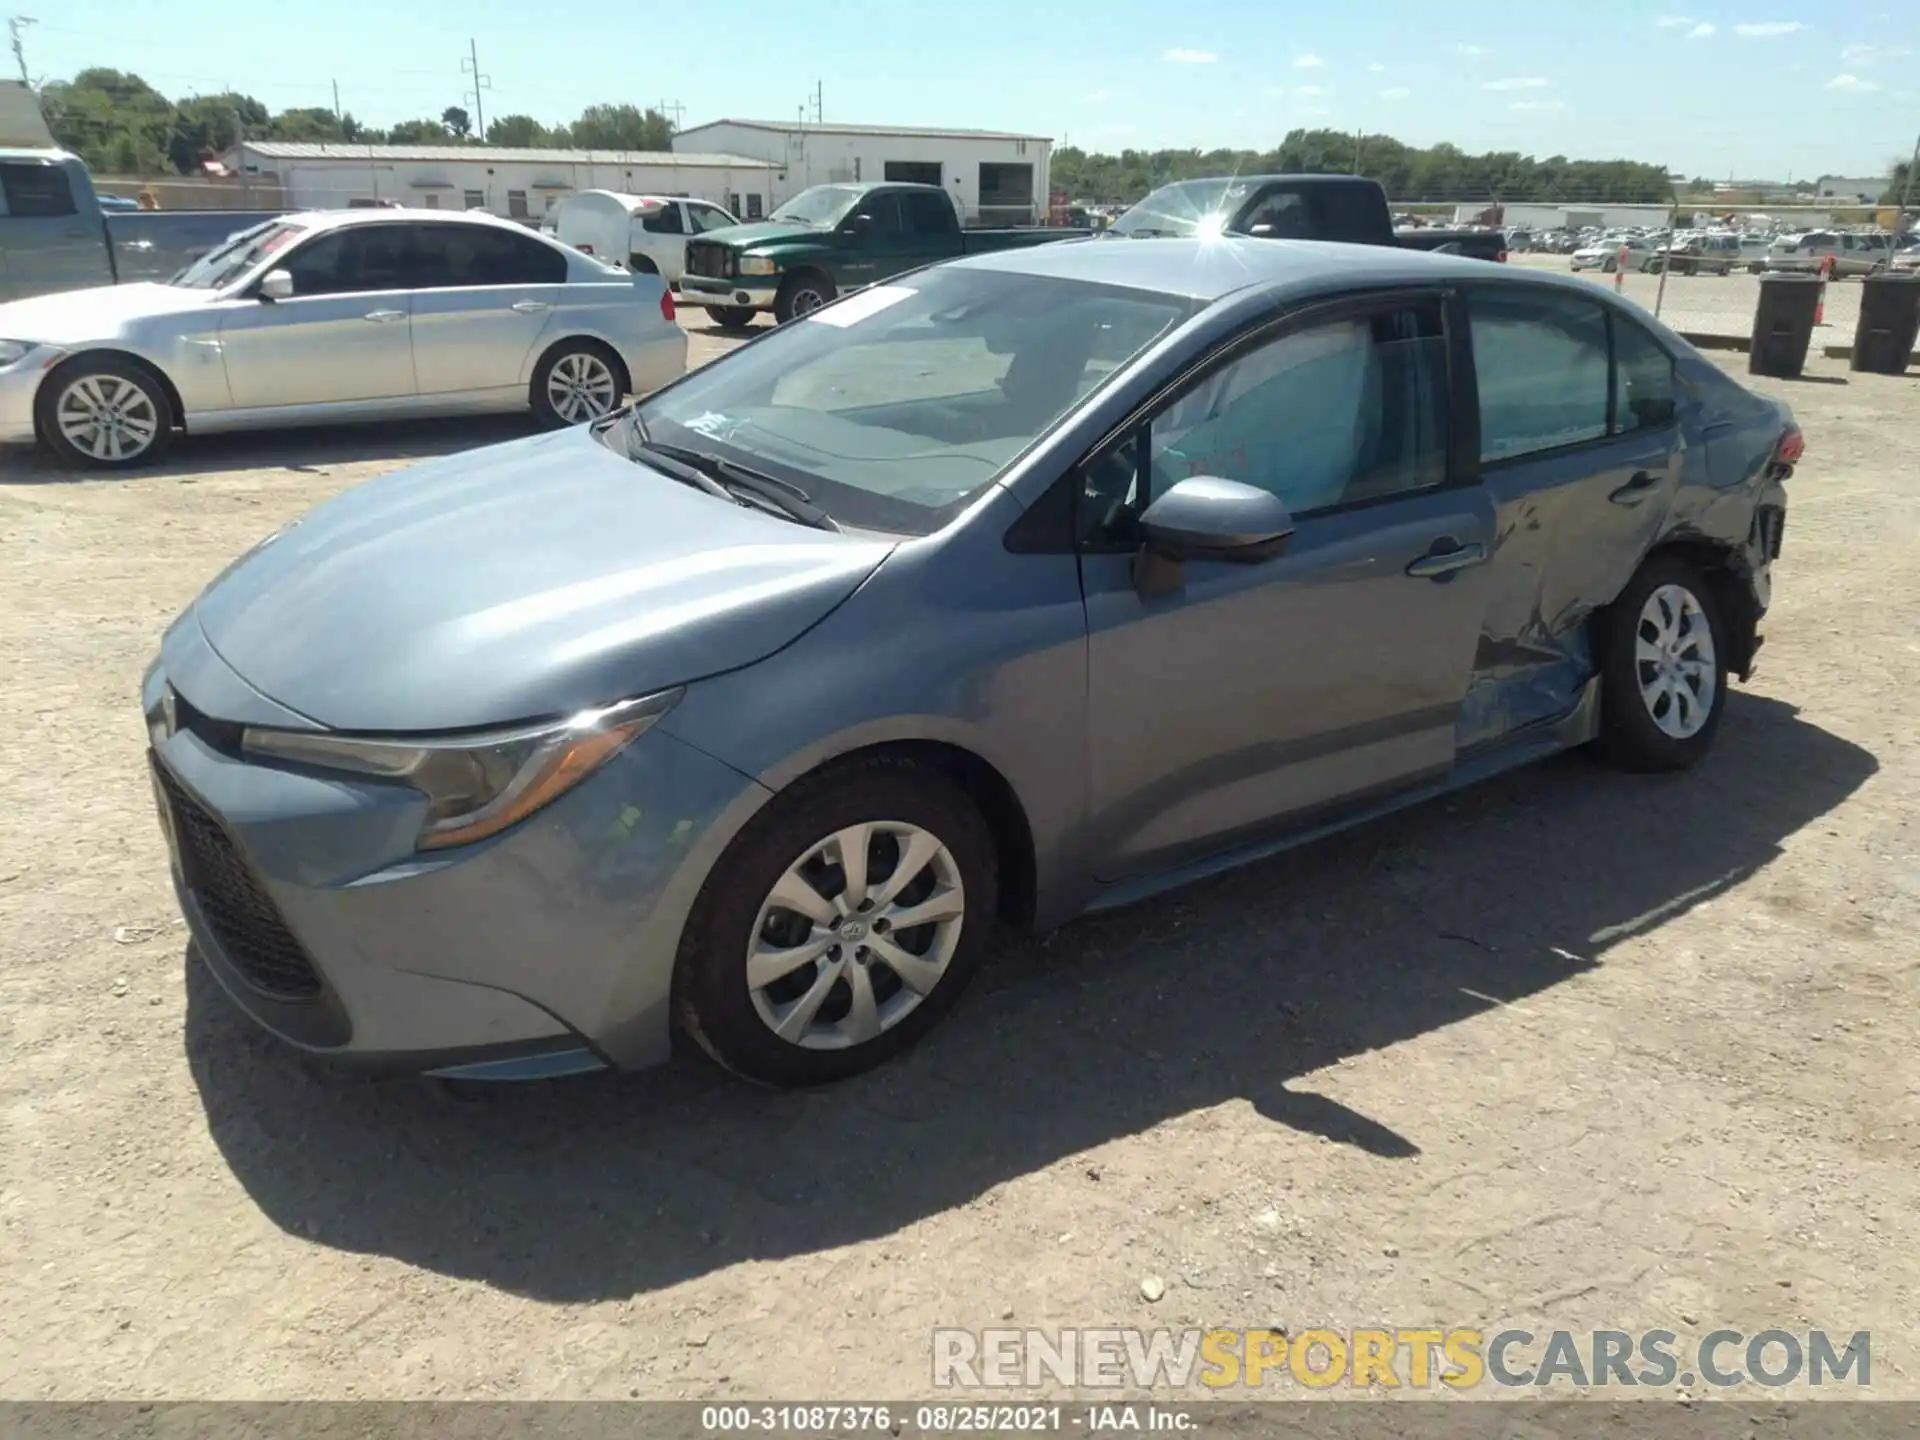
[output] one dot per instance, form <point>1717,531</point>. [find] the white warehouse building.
<point>994,177</point>
<point>514,184</point>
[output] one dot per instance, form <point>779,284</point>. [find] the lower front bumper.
<point>728,294</point>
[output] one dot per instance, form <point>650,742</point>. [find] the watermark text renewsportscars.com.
<point>1394,1358</point>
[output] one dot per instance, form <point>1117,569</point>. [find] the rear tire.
<point>1662,651</point>
<point>104,413</point>
<point>864,1011</point>
<point>577,381</point>
<point>731,317</point>
<point>801,295</point>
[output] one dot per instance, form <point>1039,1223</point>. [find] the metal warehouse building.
<point>994,177</point>
<point>515,184</point>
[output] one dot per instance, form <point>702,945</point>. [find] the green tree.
<point>620,127</point>
<point>419,132</point>
<point>207,125</point>
<point>111,119</point>
<point>314,124</point>
<point>458,121</point>
<point>522,131</point>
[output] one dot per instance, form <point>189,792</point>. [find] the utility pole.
<point>671,110</point>
<point>1906,190</point>
<point>336,109</point>
<point>819,102</point>
<point>16,27</point>
<point>471,66</point>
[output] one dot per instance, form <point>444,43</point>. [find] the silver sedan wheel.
<point>107,417</point>
<point>1673,652</point>
<point>856,933</point>
<point>581,387</point>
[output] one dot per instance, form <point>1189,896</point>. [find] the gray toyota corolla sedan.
<point>1020,586</point>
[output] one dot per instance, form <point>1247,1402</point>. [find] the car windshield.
<point>894,408</point>
<point>824,206</point>
<point>238,254</point>
<point>1182,209</point>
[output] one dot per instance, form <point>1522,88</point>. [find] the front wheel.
<point>105,413</point>
<point>840,926</point>
<point>801,295</point>
<point>1663,669</point>
<point>1608,266</point>
<point>731,317</point>
<point>577,381</point>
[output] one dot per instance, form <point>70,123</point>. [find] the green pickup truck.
<point>831,239</point>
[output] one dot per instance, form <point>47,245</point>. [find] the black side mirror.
<point>861,221</point>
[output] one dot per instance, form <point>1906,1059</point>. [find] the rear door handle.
<point>530,307</point>
<point>1635,490</point>
<point>1443,563</point>
<point>382,317</point>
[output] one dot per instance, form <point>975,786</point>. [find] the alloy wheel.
<point>855,935</point>
<point>806,300</point>
<point>107,417</point>
<point>1673,653</point>
<point>581,387</point>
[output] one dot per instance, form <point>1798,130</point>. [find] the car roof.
<point>1211,269</point>
<point>334,219</point>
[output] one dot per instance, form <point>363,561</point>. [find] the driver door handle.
<point>382,317</point>
<point>1635,490</point>
<point>1438,566</point>
<point>529,307</point>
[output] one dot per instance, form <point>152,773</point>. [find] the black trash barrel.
<point>1783,325</point>
<point>1889,323</point>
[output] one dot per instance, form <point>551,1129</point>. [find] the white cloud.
<point>1539,105</point>
<point>1864,55</point>
<point>1309,62</point>
<point>1190,57</point>
<point>1702,31</point>
<point>1308,92</point>
<point>1376,69</point>
<point>1766,28</point>
<point>1530,82</point>
<point>1468,50</point>
<point>1398,92</point>
<point>1673,22</point>
<point>1852,85</point>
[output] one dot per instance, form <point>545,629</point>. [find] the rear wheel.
<point>577,381</point>
<point>105,413</point>
<point>1663,669</point>
<point>801,295</point>
<point>1609,265</point>
<point>731,317</point>
<point>840,926</point>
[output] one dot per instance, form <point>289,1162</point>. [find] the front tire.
<point>1663,669</point>
<point>575,382</point>
<point>104,414</point>
<point>801,295</point>
<point>840,926</point>
<point>731,317</point>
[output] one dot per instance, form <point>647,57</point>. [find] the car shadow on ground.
<point>305,449</point>
<point>603,1187</point>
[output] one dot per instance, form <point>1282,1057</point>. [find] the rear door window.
<point>449,257</point>
<point>1543,366</point>
<point>36,192</point>
<point>665,221</point>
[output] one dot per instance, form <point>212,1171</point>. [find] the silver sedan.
<point>338,317</point>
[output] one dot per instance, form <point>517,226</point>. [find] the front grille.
<point>713,261</point>
<point>246,923</point>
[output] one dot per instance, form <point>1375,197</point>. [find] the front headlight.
<point>758,265</point>
<point>477,785</point>
<point>12,350</point>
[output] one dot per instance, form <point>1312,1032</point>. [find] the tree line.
<point>119,124</point>
<point>1410,173</point>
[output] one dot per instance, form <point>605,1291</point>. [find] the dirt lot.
<point>1570,1051</point>
<point>1715,304</point>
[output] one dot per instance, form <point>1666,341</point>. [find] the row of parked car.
<point>1848,253</point>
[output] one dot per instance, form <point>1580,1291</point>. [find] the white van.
<point>643,233</point>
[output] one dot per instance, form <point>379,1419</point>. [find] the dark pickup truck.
<point>830,239</point>
<point>1346,208</point>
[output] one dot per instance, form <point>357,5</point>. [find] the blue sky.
<point>1758,89</point>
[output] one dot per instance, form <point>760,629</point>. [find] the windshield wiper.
<point>736,479</point>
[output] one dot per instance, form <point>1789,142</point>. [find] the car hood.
<point>516,582</point>
<point>73,317</point>
<point>739,237</point>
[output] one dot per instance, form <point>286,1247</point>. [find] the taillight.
<point>584,248</point>
<point>666,306</point>
<point>1792,446</point>
<point>1501,257</point>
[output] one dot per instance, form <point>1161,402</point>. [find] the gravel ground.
<point>1572,1050</point>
